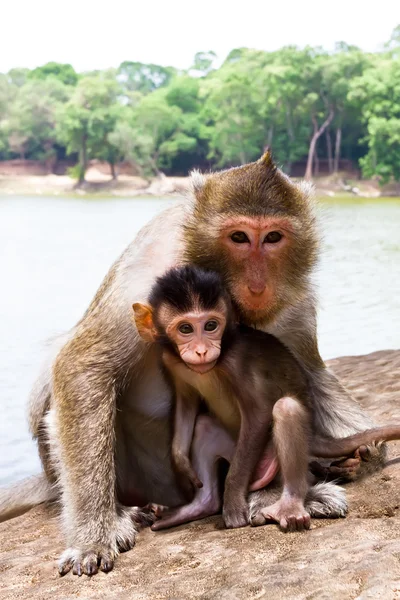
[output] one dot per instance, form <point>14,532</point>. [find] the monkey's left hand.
<point>235,512</point>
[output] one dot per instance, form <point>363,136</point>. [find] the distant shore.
<point>99,184</point>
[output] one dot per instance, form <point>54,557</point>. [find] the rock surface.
<point>353,558</point>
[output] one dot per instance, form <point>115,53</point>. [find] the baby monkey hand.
<point>187,476</point>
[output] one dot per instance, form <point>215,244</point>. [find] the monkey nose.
<point>201,353</point>
<point>256,289</point>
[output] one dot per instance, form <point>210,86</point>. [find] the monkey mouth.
<point>201,367</point>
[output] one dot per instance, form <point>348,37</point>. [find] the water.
<point>55,251</point>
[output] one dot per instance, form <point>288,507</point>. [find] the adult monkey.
<point>104,404</point>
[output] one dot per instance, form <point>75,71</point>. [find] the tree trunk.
<point>113,171</point>
<point>317,133</point>
<point>338,142</point>
<point>316,161</point>
<point>329,149</point>
<point>82,160</point>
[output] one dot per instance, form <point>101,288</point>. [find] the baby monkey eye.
<point>210,326</point>
<point>273,237</point>
<point>185,328</point>
<point>239,237</point>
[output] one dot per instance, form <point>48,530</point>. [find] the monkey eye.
<point>185,328</point>
<point>210,326</point>
<point>239,237</point>
<point>273,237</point>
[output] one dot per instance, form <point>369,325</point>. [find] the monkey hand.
<point>235,512</point>
<point>101,556</point>
<point>187,476</point>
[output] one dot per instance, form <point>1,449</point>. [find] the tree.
<point>231,116</point>
<point>32,118</point>
<point>85,121</point>
<point>203,62</point>
<point>65,73</point>
<point>18,77</point>
<point>377,93</point>
<point>143,78</point>
<point>155,121</point>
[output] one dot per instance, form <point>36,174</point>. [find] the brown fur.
<point>109,420</point>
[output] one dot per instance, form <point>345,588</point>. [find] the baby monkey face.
<point>197,336</point>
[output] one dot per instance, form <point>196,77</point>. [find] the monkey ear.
<point>266,159</point>
<point>198,180</point>
<point>143,316</point>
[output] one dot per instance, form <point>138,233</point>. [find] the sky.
<point>95,35</point>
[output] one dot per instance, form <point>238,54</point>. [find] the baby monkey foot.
<point>289,513</point>
<point>198,509</point>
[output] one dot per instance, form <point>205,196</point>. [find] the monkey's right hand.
<point>187,476</point>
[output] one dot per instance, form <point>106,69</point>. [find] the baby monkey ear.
<point>143,316</point>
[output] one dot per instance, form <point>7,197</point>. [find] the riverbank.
<point>99,184</point>
<point>356,557</point>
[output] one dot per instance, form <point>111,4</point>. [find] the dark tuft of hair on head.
<point>181,287</point>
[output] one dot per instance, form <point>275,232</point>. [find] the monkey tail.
<point>19,498</point>
<point>326,447</point>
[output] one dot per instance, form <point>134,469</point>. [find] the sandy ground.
<point>353,558</point>
<point>96,184</point>
<point>100,184</point>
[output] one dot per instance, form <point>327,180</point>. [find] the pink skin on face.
<point>257,257</point>
<point>198,348</point>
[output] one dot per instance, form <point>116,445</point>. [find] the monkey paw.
<point>87,562</point>
<point>235,514</point>
<point>290,514</point>
<point>364,460</point>
<point>130,519</point>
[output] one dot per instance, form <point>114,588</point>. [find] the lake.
<point>55,251</point>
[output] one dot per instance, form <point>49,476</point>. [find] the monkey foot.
<point>346,469</point>
<point>86,562</point>
<point>147,515</point>
<point>289,513</point>
<point>189,512</point>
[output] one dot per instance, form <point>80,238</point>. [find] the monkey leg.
<point>336,414</point>
<point>211,442</point>
<point>290,432</point>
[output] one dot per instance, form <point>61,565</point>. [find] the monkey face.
<point>256,228</point>
<point>256,253</point>
<point>197,336</point>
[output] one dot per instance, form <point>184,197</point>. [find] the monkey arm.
<point>84,425</point>
<point>186,409</point>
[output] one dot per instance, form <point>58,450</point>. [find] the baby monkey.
<point>252,384</point>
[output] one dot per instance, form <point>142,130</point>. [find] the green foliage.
<point>301,102</point>
<point>139,77</point>
<point>203,62</point>
<point>64,73</point>
<point>84,122</point>
<point>377,95</point>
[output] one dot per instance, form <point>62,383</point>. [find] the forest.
<point>311,107</point>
